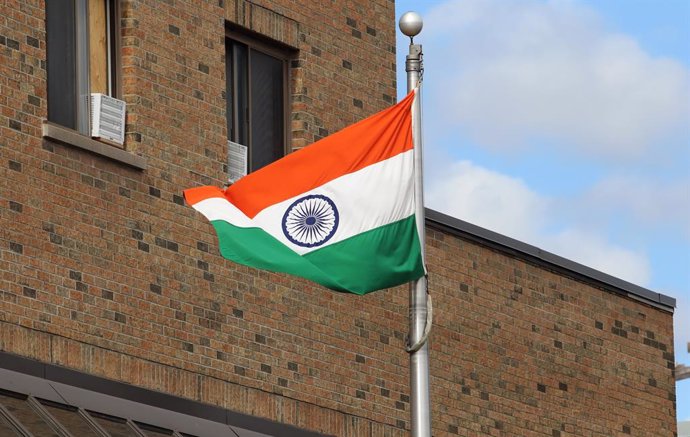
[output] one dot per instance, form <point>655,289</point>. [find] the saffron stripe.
<point>376,138</point>
<point>372,197</point>
<point>196,195</point>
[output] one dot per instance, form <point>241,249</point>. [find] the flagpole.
<point>420,412</point>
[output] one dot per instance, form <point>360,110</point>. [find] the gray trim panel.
<point>532,254</point>
<point>75,139</point>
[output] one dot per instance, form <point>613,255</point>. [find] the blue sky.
<point>566,124</point>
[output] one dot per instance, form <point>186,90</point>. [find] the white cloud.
<point>527,70</point>
<point>651,203</point>
<point>595,251</point>
<point>507,205</point>
<point>488,199</point>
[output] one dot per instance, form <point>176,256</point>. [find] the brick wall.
<point>105,270</point>
<point>519,350</point>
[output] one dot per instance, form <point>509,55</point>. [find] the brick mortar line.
<point>187,371</point>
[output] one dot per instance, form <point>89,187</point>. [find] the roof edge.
<point>533,254</point>
<point>130,397</point>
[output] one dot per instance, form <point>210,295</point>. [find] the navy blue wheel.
<point>310,221</point>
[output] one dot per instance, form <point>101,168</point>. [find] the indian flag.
<point>339,212</point>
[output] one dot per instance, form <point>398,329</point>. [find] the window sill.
<point>75,139</point>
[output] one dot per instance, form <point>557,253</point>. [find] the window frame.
<point>275,49</point>
<point>75,68</point>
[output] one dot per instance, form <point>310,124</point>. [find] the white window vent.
<point>107,118</point>
<point>237,161</point>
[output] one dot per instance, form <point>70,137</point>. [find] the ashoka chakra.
<point>310,221</point>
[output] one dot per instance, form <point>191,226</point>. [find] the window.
<point>82,41</point>
<point>256,101</point>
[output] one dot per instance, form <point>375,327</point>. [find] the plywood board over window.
<point>98,47</point>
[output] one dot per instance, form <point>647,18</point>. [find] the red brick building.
<point>117,315</point>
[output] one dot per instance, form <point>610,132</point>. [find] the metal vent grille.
<point>237,161</point>
<point>108,118</point>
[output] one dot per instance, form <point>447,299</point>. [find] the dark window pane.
<point>266,109</point>
<point>255,93</point>
<point>6,429</point>
<point>229,92</point>
<point>61,62</point>
<point>113,39</point>
<point>116,427</point>
<point>241,89</point>
<point>71,420</point>
<point>23,412</point>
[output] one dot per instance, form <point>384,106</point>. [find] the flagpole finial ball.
<point>410,23</point>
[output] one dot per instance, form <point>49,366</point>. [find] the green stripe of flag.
<point>353,265</point>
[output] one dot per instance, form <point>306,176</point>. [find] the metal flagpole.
<point>420,412</point>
